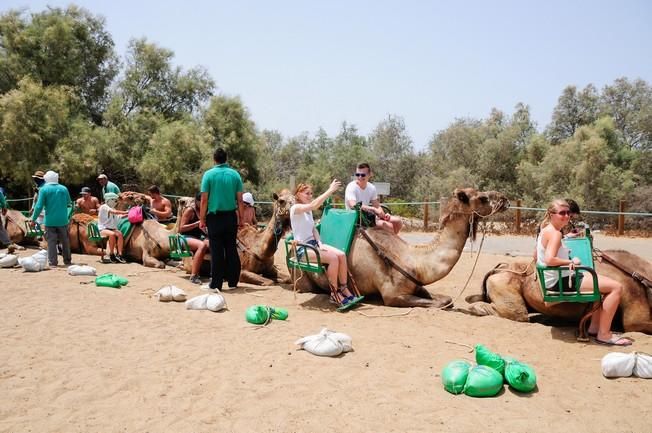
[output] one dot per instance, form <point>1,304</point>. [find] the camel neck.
<point>436,259</point>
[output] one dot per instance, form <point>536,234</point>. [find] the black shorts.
<point>567,286</point>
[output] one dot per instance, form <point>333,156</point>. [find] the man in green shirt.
<point>4,236</point>
<point>54,198</point>
<point>221,209</point>
<point>107,185</point>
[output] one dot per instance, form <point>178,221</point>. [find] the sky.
<point>302,65</point>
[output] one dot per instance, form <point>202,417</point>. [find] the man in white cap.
<point>107,185</point>
<point>54,198</point>
<point>249,213</point>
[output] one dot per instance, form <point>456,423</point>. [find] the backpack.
<point>135,215</point>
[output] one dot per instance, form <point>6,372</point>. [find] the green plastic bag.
<point>484,356</point>
<point>483,381</point>
<point>262,314</point>
<point>520,376</point>
<point>454,375</point>
<point>110,280</point>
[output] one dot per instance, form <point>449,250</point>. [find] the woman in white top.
<point>303,228</point>
<point>107,223</point>
<point>551,252</point>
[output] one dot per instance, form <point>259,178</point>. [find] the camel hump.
<point>82,218</point>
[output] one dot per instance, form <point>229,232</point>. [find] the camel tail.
<point>495,270</point>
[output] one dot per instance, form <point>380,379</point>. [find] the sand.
<point>80,358</point>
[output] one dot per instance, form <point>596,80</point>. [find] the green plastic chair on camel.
<point>582,248</point>
<point>179,247</point>
<point>336,228</point>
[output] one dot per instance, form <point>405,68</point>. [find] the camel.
<point>512,291</point>
<point>427,263</point>
<point>257,248</point>
<point>15,224</point>
<point>148,242</point>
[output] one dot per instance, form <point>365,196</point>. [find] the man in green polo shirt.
<point>54,198</point>
<point>107,185</point>
<point>221,209</point>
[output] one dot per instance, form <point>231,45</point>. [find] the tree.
<point>630,106</point>
<point>151,83</point>
<point>33,119</point>
<point>573,110</point>
<point>227,121</point>
<point>59,47</point>
<point>177,157</point>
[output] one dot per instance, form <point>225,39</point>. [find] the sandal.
<point>615,340</point>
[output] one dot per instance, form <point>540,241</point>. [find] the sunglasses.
<point>563,213</point>
<point>361,175</point>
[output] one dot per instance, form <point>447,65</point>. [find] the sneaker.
<point>113,259</point>
<point>194,279</point>
<point>120,259</point>
<point>231,288</point>
<point>208,288</point>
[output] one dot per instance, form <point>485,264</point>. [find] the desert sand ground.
<point>80,358</point>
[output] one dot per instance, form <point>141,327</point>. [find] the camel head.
<point>128,199</point>
<point>472,205</point>
<point>282,203</point>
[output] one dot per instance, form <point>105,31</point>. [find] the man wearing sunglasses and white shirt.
<point>363,191</point>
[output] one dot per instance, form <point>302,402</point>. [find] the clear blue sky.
<point>299,65</point>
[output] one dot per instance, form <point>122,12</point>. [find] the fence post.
<point>425,214</point>
<point>518,216</point>
<point>621,218</point>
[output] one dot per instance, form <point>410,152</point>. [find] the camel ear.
<point>275,197</point>
<point>461,196</point>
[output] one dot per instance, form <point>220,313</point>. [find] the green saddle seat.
<point>337,228</point>
<point>179,247</point>
<point>581,248</point>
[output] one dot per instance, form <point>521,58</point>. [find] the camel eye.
<point>281,202</point>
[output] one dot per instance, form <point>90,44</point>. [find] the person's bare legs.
<point>342,269</point>
<point>601,319</point>
<point>200,248</point>
<point>112,239</point>
<point>396,222</point>
<point>121,241</point>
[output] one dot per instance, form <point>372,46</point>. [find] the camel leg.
<point>421,292</point>
<point>152,262</point>
<point>410,300</point>
<point>254,278</point>
<point>273,274</point>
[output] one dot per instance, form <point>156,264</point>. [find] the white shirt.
<point>302,225</point>
<point>354,192</point>
<point>105,220</point>
<point>552,277</point>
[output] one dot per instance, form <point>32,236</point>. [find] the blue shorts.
<point>301,251</point>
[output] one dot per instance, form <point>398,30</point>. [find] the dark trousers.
<point>54,235</point>
<point>225,262</point>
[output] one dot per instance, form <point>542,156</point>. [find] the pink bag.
<point>135,215</point>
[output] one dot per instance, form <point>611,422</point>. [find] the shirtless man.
<point>363,191</point>
<point>87,203</point>
<point>160,206</point>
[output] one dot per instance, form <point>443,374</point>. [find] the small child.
<point>249,216</point>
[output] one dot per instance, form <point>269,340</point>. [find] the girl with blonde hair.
<point>552,252</point>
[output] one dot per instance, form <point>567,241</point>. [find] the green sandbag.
<point>484,356</point>
<point>454,375</point>
<point>110,280</point>
<point>483,381</point>
<point>262,314</point>
<point>520,376</point>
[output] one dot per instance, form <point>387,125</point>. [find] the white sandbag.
<point>197,303</point>
<point>30,264</point>
<point>643,366</point>
<point>617,364</point>
<point>215,302</point>
<point>209,301</point>
<point>84,270</point>
<point>170,293</point>
<point>8,261</point>
<point>326,343</point>
<point>178,295</point>
<point>41,257</point>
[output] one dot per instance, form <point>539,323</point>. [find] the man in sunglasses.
<point>363,191</point>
